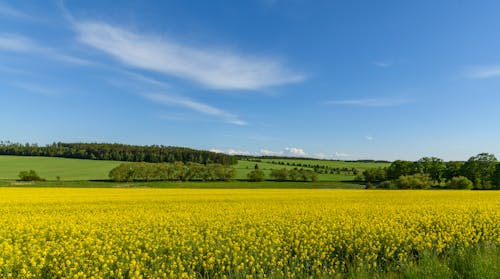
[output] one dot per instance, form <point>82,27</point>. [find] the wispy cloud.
<point>369,138</point>
<point>9,11</point>
<point>35,88</point>
<point>482,72</point>
<point>196,106</point>
<point>23,44</point>
<point>370,102</point>
<point>212,67</point>
<point>382,64</point>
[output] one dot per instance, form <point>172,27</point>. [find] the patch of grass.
<point>481,261</point>
<point>50,168</point>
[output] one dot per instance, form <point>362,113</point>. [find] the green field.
<point>50,168</point>
<point>244,166</point>
<point>78,169</point>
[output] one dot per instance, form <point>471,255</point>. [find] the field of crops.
<point>189,233</point>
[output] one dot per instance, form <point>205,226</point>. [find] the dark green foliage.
<point>479,169</point>
<point>30,176</point>
<point>375,175</point>
<point>177,171</point>
<point>118,152</point>
<point>279,174</point>
<point>459,182</point>
<point>452,169</point>
<point>414,181</point>
<point>399,168</point>
<point>433,166</point>
<point>495,178</point>
<point>294,174</point>
<point>256,176</point>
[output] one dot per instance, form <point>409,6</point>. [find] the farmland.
<point>80,169</point>
<point>194,233</point>
<point>50,168</point>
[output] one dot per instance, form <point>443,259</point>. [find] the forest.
<point>118,152</point>
<point>478,172</point>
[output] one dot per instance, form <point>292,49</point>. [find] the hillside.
<point>50,168</point>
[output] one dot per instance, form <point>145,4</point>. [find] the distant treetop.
<point>118,152</point>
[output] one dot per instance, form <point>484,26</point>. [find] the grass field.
<point>50,168</point>
<point>197,233</point>
<point>244,167</point>
<point>76,169</point>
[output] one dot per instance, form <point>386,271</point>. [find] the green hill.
<point>49,168</point>
<point>80,169</point>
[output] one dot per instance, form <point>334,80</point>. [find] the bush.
<point>30,176</point>
<point>388,184</point>
<point>256,176</point>
<point>177,171</point>
<point>459,182</point>
<point>414,181</point>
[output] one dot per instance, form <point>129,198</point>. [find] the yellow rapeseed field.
<point>190,233</point>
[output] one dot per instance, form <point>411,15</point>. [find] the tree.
<point>399,168</point>
<point>256,176</point>
<point>280,174</point>
<point>495,178</point>
<point>433,166</point>
<point>29,176</point>
<point>452,169</point>
<point>375,175</point>
<point>479,169</point>
<point>459,182</point>
<point>294,174</point>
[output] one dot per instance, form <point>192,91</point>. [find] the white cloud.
<point>483,72</point>
<point>212,67</point>
<point>287,152</point>
<point>292,151</point>
<point>342,155</point>
<point>194,105</point>
<point>368,137</point>
<point>19,43</point>
<point>266,152</point>
<point>12,42</point>
<point>234,152</point>
<point>370,102</point>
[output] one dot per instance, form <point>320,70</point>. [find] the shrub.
<point>414,181</point>
<point>459,182</point>
<point>30,176</point>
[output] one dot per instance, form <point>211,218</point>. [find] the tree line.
<point>177,171</point>
<point>118,152</point>
<point>324,169</point>
<point>284,174</point>
<point>479,172</point>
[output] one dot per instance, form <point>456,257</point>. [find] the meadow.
<point>237,233</point>
<point>50,168</point>
<point>80,169</point>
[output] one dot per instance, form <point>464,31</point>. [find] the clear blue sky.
<point>334,79</point>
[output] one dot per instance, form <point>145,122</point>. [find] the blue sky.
<point>328,79</point>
